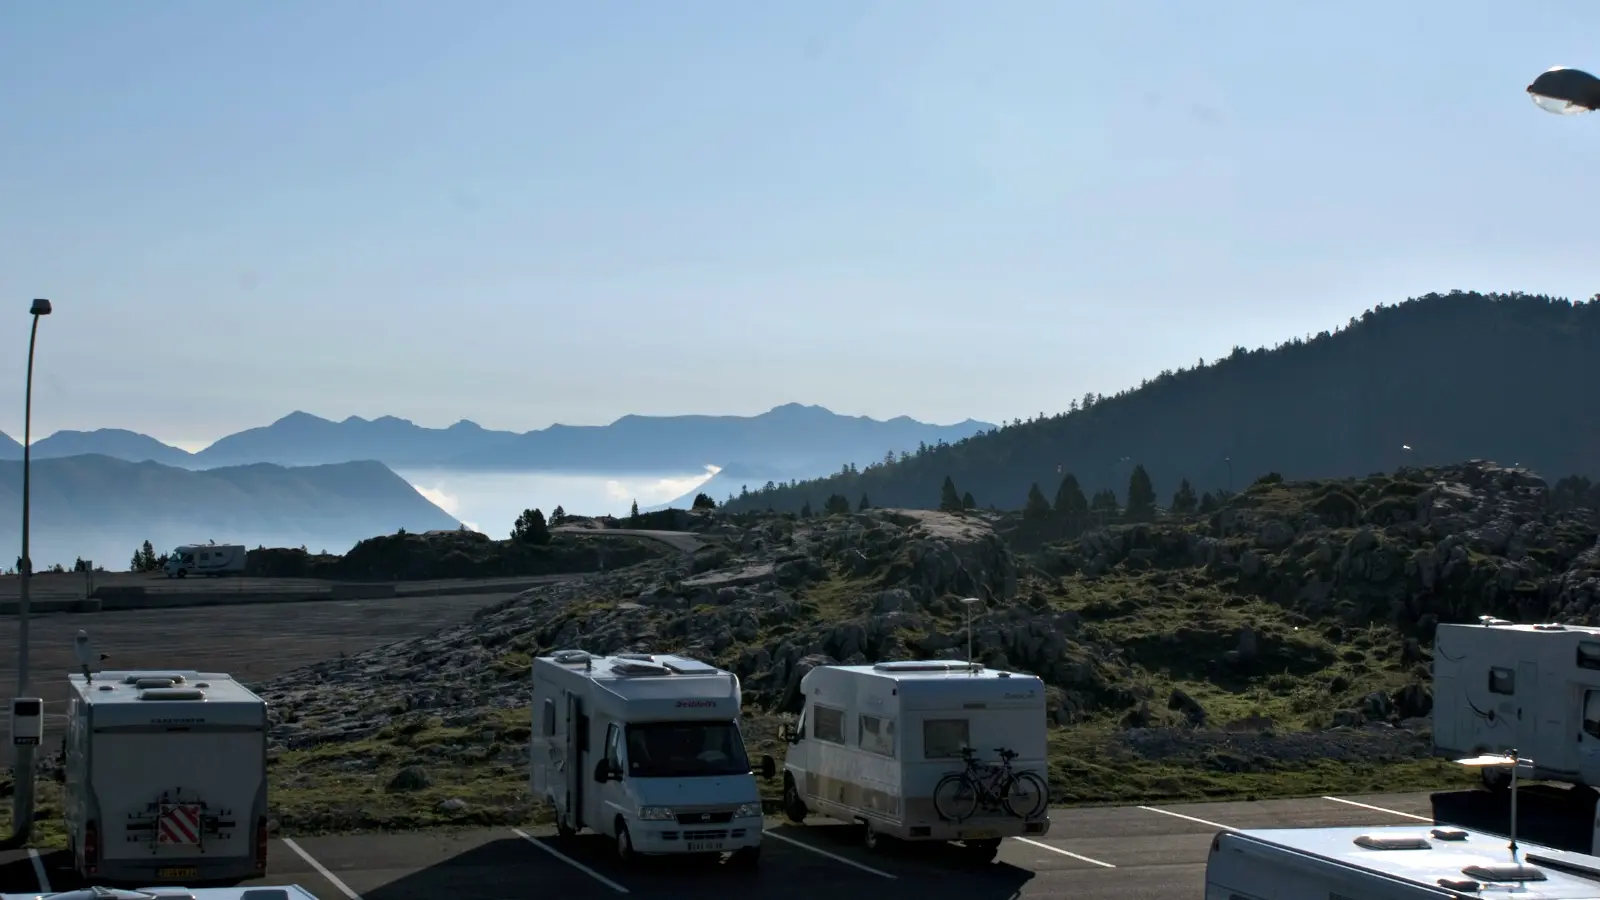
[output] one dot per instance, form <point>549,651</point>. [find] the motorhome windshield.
<point>686,749</point>
<point>178,554</point>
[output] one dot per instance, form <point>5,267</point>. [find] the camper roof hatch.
<point>1550,626</point>
<point>928,665</point>
<point>172,694</point>
<point>684,666</point>
<point>635,667</point>
<point>1393,842</point>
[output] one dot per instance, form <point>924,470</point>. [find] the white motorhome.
<point>166,777</point>
<point>1535,689</point>
<point>97,892</point>
<point>874,742</point>
<point>1391,863</point>
<point>211,560</point>
<point>645,749</point>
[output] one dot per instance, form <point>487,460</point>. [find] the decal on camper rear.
<point>696,704</point>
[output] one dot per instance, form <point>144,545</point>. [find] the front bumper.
<point>671,837</point>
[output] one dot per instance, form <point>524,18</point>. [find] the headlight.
<point>655,814</point>
<point>747,810</point>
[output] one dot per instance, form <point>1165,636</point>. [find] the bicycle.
<point>992,786</point>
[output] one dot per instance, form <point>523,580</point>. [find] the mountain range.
<point>793,438</point>
<point>1436,379</point>
<point>99,508</point>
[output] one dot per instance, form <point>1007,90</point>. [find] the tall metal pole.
<point>22,759</point>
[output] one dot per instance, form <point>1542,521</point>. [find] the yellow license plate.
<point>979,834</point>
<point>178,872</point>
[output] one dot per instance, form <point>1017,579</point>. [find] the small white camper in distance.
<point>1535,689</point>
<point>645,749</point>
<point>166,777</point>
<point>935,750</point>
<point>212,560</point>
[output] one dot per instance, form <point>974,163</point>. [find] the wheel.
<point>870,837</point>
<point>1495,778</point>
<point>564,830</point>
<point>981,852</point>
<point>624,843</point>
<point>954,797</point>
<point>183,573</point>
<point>1025,795</point>
<point>794,808</point>
<point>746,858</point>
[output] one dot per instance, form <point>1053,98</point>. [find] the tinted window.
<point>944,738</point>
<point>827,724</point>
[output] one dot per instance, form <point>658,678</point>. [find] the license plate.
<point>979,834</point>
<point>178,872</point>
<point>705,846</point>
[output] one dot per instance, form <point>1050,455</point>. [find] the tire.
<point>794,807</point>
<point>955,797</point>
<point>624,844</point>
<point>1025,795</point>
<point>980,853</point>
<point>565,831</point>
<point>183,573</point>
<point>870,837</point>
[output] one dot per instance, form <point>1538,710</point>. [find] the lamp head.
<point>1565,91</point>
<point>41,307</point>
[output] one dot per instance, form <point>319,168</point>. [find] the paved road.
<point>684,541</point>
<point>1126,853</point>
<point>70,586</point>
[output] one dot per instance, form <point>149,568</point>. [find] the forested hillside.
<point>1440,378</point>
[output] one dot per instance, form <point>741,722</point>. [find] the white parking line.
<point>1392,812</point>
<point>570,861</point>
<point>1168,812</point>
<point>1043,846</point>
<point>833,856</point>
<point>38,871</point>
<point>322,870</point>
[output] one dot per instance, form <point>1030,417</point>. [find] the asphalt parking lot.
<point>1130,853</point>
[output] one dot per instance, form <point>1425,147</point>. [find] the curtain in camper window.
<point>877,735</point>
<point>944,738</point>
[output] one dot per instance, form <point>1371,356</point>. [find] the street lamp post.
<point>970,603</point>
<point>22,760</point>
<point>1565,91</point>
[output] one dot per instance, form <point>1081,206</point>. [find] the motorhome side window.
<point>827,724</point>
<point>1589,655</point>
<point>944,738</point>
<point>1502,681</point>
<point>614,747</point>
<point>877,735</point>
<point>1591,713</point>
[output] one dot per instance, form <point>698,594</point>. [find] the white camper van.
<point>645,749</point>
<point>1391,863</point>
<point>1532,688</point>
<point>206,559</point>
<point>887,745</point>
<point>166,777</point>
<point>255,892</point>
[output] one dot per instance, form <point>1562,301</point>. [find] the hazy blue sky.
<point>522,212</point>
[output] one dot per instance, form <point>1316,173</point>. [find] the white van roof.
<point>1490,623</point>
<point>1444,858</point>
<point>655,684</point>
<point>145,685</point>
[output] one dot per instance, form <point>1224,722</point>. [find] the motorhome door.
<point>1527,703</point>
<point>574,759</point>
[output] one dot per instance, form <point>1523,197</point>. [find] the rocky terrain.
<point>1278,645</point>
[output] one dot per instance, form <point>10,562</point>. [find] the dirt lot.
<point>248,642</point>
<point>70,586</point>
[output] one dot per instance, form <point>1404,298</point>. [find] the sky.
<point>525,212</point>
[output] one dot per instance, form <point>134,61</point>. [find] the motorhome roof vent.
<point>1550,626</point>
<point>1460,884</point>
<point>173,677</point>
<point>569,657</point>
<point>927,665</point>
<point>1449,834</point>
<point>1491,620</point>
<point>1504,872</point>
<point>1393,842</point>
<point>641,657</point>
<point>634,667</point>
<point>172,694</point>
<point>154,683</point>
<point>265,894</point>
<point>685,666</point>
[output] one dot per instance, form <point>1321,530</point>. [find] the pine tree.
<point>1141,494</point>
<point>531,528</point>
<point>836,505</point>
<point>633,511</point>
<point>967,502</point>
<point>805,510</point>
<point>1069,496</point>
<point>558,515</point>
<point>949,500</point>
<point>863,504</point>
<point>1184,500</point>
<point>1037,506</point>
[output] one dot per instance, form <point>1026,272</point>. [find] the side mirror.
<point>769,766</point>
<point>786,733</point>
<point>602,771</point>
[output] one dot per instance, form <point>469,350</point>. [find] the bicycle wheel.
<point>1025,795</point>
<point>955,797</point>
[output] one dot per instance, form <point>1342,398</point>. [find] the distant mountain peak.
<point>299,417</point>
